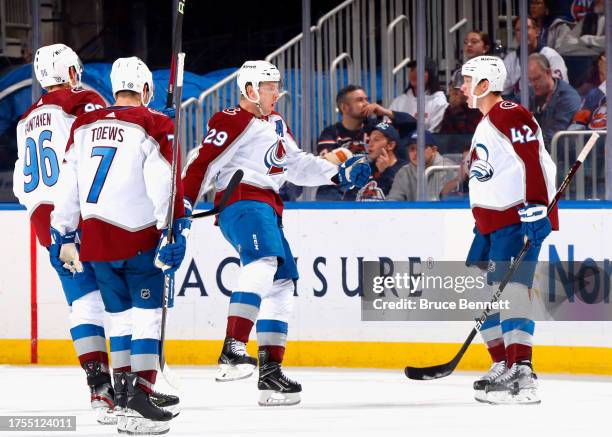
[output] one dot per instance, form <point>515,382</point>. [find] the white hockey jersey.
<point>116,175</point>
<point>263,148</point>
<point>509,166</point>
<point>42,134</point>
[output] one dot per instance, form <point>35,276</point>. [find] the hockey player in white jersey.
<point>254,138</point>
<point>42,134</point>
<point>511,182</point>
<point>117,177</point>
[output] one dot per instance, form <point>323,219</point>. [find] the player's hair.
<point>541,60</point>
<point>127,93</point>
<point>344,92</point>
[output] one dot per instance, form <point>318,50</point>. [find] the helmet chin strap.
<point>255,101</point>
<point>475,97</point>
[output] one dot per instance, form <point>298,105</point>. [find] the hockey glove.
<point>354,172</point>
<point>63,253</point>
<point>170,255</point>
<point>535,224</point>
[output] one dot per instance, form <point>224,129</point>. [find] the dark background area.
<point>216,34</point>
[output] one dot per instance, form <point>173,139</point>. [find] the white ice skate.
<point>136,424</point>
<point>102,404</point>
<point>518,385</point>
<point>494,372</point>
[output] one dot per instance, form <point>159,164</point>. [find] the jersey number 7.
<point>107,154</point>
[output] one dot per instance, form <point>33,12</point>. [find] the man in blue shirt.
<point>552,101</point>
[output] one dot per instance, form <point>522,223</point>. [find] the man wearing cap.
<point>382,147</point>
<point>405,183</point>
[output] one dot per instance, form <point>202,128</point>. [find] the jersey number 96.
<point>39,162</point>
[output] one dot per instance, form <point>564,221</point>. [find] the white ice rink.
<point>334,403</point>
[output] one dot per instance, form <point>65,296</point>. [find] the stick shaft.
<point>176,48</point>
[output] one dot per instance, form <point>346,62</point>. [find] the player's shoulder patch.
<point>231,111</point>
<point>506,104</point>
<point>508,113</point>
<point>237,118</point>
<point>80,101</point>
<point>156,113</point>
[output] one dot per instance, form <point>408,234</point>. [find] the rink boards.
<point>326,328</point>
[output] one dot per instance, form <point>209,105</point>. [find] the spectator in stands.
<point>512,59</point>
<point>405,183</point>
<point>402,121</point>
<point>382,146</point>
<point>475,43</point>
<point>553,20</point>
<point>353,128</point>
<point>593,113</point>
<point>458,187</point>
<point>435,100</point>
<point>587,38</point>
<point>458,117</point>
<point>359,117</point>
<point>552,101</point>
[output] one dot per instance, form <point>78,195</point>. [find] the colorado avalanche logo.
<point>479,164</point>
<point>275,158</point>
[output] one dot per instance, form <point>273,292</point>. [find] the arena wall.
<point>328,239</point>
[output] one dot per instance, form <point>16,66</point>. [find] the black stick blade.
<point>227,193</point>
<point>427,373</point>
<point>231,187</point>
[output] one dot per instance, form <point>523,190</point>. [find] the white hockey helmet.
<point>52,65</point>
<point>486,67</point>
<point>255,72</point>
<point>132,74</point>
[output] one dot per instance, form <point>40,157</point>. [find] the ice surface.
<point>335,402</point>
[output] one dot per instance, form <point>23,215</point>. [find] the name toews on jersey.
<point>117,176</point>
<point>42,134</point>
<point>509,166</point>
<point>263,148</point>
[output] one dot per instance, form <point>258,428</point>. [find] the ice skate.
<point>275,388</point>
<point>102,394</point>
<point>142,416</point>
<point>234,363</point>
<point>120,400</point>
<point>518,385</point>
<point>166,401</point>
<point>495,371</point>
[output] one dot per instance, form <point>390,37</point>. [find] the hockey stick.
<point>176,49</point>
<point>229,190</point>
<point>175,86</point>
<point>170,221</point>
<point>442,370</point>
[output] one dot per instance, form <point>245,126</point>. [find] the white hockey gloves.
<point>64,254</point>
